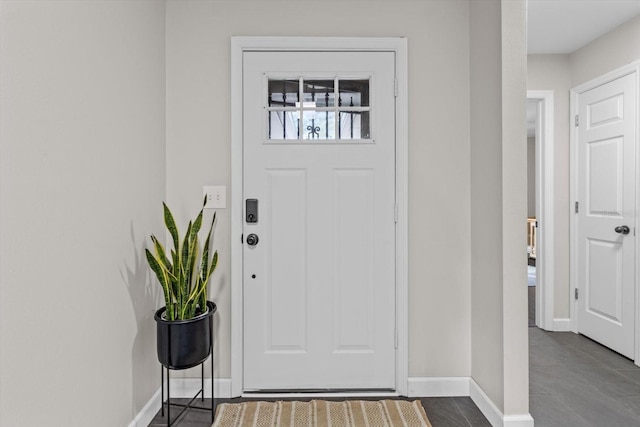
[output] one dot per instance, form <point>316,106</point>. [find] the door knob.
<point>622,229</point>
<point>252,239</point>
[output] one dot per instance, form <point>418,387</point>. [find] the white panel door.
<point>319,158</point>
<point>606,236</point>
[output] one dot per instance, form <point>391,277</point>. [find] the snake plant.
<point>183,279</point>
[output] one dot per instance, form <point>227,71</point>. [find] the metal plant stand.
<point>184,407</point>
<point>200,392</point>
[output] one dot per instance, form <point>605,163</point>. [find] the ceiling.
<point>563,26</point>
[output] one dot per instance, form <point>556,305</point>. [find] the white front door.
<point>606,139</point>
<point>319,190</point>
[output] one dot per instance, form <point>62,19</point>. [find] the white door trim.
<point>631,68</point>
<point>397,45</point>
<point>545,286</point>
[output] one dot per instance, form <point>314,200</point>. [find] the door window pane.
<point>354,125</point>
<point>354,93</point>
<point>283,93</point>
<point>319,125</point>
<point>319,93</point>
<point>283,124</point>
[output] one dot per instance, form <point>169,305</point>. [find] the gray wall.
<point>110,106</point>
<point>82,179</point>
<point>499,342</point>
<point>560,73</point>
<point>613,50</point>
<point>514,208</point>
<point>198,144</point>
<point>486,198</point>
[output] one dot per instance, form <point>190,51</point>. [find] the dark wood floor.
<point>576,382</point>
<point>532,305</point>
<point>573,382</point>
<point>442,412</point>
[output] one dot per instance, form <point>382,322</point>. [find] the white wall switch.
<point>216,196</point>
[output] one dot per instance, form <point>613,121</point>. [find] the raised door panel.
<point>604,280</point>
<point>286,263</point>
<point>353,260</point>
<point>605,176</point>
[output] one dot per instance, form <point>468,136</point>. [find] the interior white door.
<point>606,138</point>
<point>319,284</point>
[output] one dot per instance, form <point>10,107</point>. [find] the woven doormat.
<point>321,413</point>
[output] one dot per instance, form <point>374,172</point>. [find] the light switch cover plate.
<point>216,196</point>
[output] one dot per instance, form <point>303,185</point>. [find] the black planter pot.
<point>183,344</point>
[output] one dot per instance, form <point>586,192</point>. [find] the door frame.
<point>631,68</point>
<point>398,46</point>
<point>545,284</point>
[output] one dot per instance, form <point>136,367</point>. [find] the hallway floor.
<point>442,412</point>
<point>574,381</point>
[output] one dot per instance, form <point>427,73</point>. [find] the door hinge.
<point>577,207</point>
<point>395,338</point>
<point>575,293</point>
<point>395,87</point>
<point>242,238</point>
<point>577,120</point>
<point>395,213</point>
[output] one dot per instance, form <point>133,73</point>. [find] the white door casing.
<point>605,138</point>
<point>240,45</point>
<point>317,285</point>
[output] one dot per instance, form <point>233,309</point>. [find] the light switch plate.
<point>216,196</point>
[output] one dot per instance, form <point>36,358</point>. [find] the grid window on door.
<point>316,110</point>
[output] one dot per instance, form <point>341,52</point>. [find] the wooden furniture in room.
<point>532,226</point>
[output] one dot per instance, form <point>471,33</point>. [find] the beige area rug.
<point>321,413</point>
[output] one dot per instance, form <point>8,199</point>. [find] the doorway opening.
<point>540,224</point>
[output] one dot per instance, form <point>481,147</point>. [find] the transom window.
<point>318,109</point>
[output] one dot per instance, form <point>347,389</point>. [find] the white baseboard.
<point>146,414</point>
<point>188,387</point>
<point>181,388</point>
<point>562,325</point>
<point>518,420</point>
<point>438,386</point>
<point>418,387</point>
<point>491,411</point>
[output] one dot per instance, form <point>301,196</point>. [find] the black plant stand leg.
<point>168,399</point>
<point>162,390</point>
<point>187,406</point>
<point>213,400</point>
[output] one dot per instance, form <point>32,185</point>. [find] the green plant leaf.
<point>171,226</point>
<point>183,278</point>
<point>160,252</point>
<point>185,247</point>
<point>162,278</point>
<point>214,263</point>
<point>193,254</point>
<point>204,267</point>
<point>197,224</point>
